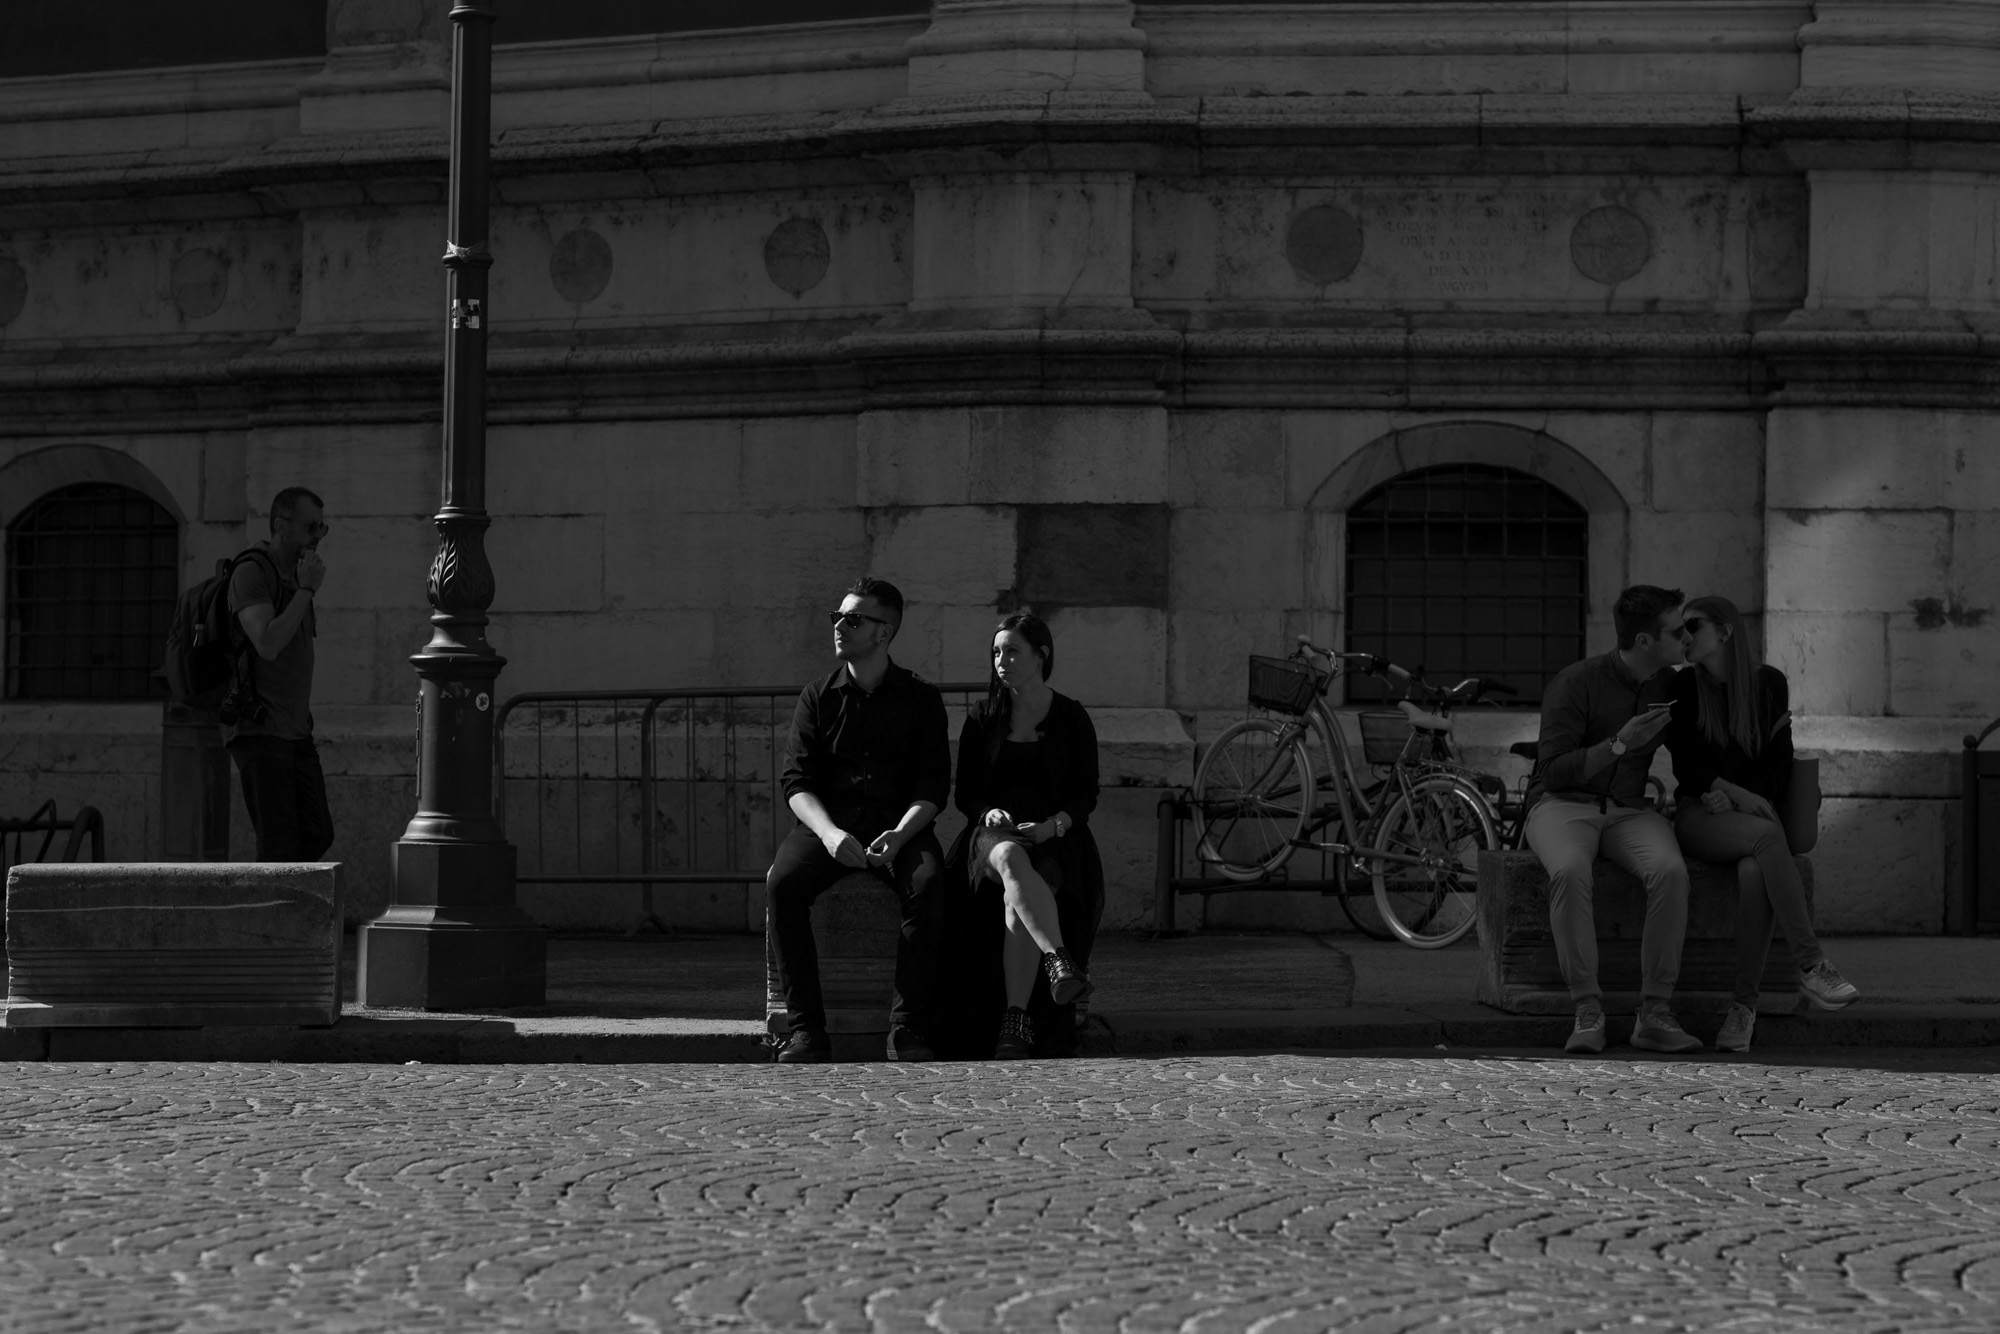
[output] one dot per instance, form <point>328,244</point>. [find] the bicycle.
<point>1416,832</point>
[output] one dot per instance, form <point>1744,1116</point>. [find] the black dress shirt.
<point>878,751</point>
<point>1587,703</point>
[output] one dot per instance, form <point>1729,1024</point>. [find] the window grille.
<point>91,583</point>
<point>1467,570</point>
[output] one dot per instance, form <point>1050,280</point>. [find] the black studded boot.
<point>1067,981</point>
<point>1017,1036</point>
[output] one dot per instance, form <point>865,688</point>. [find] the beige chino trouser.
<point>1570,835</point>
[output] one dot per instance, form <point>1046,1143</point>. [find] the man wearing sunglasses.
<point>867,769</point>
<point>271,594</point>
<point>1602,720</point>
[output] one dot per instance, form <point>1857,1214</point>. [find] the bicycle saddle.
<point>1527,750</point>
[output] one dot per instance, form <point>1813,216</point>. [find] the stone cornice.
<point>1534,134</point>
<point>854,366</point>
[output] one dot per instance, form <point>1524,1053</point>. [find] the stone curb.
<point>484,1040</point>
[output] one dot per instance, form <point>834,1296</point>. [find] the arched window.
<point>92,575</point>
<point>1467,570</point>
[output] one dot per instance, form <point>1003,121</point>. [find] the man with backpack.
<point>267,717</point>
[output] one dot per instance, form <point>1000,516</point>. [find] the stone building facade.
<point>1116,312</point>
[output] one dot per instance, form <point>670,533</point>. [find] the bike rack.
<point>1172,813</point>
<point>1980,836</point>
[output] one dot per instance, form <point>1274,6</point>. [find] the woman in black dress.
<point>1731,738</point>
<point>1027,783</point>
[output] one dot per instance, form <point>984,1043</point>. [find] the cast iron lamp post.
<point>453,938</point>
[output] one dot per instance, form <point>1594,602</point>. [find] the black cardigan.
<point>971,989</point>
<point>1698,761</point>
<point>1069,750</point>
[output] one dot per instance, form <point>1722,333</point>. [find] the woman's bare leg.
<point>1029,898</point>
<point>1021,959</point>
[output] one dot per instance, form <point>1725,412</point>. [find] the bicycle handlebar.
<point>1467,691</point>
<point>1370,664</point>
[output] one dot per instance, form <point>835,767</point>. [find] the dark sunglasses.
<point>319,528</point>
<point>1692,626</point>
<point>847,620</point>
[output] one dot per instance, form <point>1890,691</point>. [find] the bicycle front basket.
<point>1282,685</point>
<point>1384,736</point>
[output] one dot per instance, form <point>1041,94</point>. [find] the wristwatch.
<point>1618,747</point>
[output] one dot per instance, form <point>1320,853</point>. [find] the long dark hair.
<point>1000,704</point>
<point>1728,710</point>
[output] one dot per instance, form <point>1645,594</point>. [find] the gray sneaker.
<point>1658,1030</point>
<point>1827,988</point>
<point>1736,1027</point>
<point>1588,1035</point>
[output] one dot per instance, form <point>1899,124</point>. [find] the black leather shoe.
<point>906,1044</point>
<point>1066,979</point>
<point>805,1046</point>
<point>1017,1036</point>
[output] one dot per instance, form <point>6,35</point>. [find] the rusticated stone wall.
<point>1108,311</point>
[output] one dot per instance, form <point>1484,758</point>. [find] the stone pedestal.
<point>123,945</point>
<point>1518,970</point>
<point>455,939</point>
<point>856,924</point>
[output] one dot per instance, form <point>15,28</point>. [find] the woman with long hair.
<point>1731,738</point>
<point>1027,783</point>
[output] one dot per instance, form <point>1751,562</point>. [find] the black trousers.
<point>802,871</point>
<point>285,793</point>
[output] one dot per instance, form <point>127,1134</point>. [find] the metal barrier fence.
<point>650,787</point>
<point>1979,803</point>
<point>88,822</point>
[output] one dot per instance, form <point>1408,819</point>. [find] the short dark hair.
<point>288,500</point>
<point>884,592</point>
<point>1638,611</point>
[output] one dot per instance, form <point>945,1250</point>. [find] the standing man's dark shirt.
<point>285,682</point>
<point>876,752</point>
<point>271,597</point>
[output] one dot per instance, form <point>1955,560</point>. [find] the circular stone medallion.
<point>796,255</point>
<point>1609,245</point>
<point>200,283</point>
<point>580,265</point>
<point>13,289</point>
<point>1323,244</point>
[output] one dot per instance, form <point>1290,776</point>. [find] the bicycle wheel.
<point>1358,902</point>
<point>1252,794</point>
<point>1431,904</point>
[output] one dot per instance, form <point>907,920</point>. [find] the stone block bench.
<point>1518,970</point>
<point>125,945</point>
<point>856,924</point>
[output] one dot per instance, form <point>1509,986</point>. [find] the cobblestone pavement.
<point>1276,1193</point>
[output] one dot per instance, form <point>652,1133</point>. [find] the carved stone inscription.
<point>1466,244</point>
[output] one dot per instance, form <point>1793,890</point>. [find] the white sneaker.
<point>1736,1026</point>
<point>1827,988</point>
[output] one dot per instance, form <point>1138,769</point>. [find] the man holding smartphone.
<point>1602,719</point>
<point>270,737</point>
<point>867,770</point>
